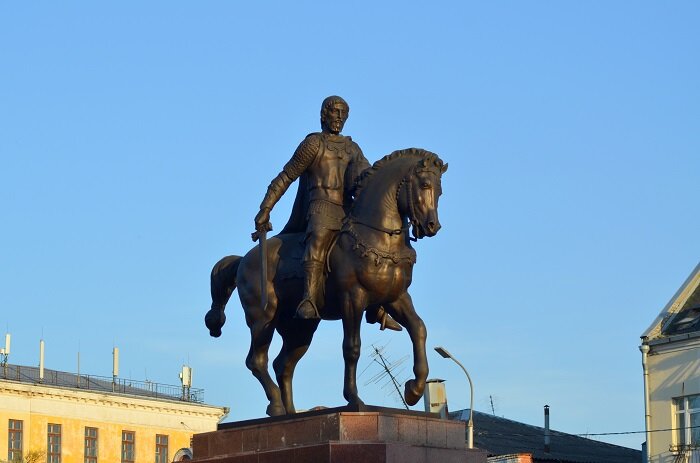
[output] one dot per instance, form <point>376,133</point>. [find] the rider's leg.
<point>313,284</point>
<point>376,314</point>
<point>317,244</point>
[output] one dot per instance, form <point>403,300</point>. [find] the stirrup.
<point>306,314</point>
<point>387,322</point>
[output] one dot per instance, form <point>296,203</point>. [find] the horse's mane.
<point>414,153</point>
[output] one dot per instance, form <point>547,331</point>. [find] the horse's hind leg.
<point>403,312</point>
<point>261,332</point>
<point>296,338</point>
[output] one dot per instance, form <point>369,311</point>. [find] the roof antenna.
<point>388,371</point>
<point>78,375</point>
<point>5,351</point>
<point>115,367</point>
<point>41,359</point>
<point>186,380</point>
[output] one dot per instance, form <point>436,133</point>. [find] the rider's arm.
<point>301,160</point>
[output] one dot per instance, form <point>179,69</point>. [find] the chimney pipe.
<point>435,397</point>
<point>546,429</point>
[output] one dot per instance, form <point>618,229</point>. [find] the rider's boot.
<point>383,318</point>
<point>313,287</point>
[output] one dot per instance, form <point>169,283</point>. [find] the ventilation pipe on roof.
<point>546,428</point>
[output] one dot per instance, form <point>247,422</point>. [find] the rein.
<point>411,204</point>
<point>388,231</point>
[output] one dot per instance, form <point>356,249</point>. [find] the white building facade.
<point>671,364</point>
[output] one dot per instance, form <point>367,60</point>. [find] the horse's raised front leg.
<point>403,312</point>
<point>352,320</point>
<point>296,338</point>
<point>223,282</point>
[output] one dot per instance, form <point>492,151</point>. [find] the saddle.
<point>292,253</point>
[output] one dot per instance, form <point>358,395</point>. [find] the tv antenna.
<point>388,373</point>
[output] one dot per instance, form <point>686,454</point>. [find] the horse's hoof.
<point>356,403</point>
<point>412,393</point>
<point>275,410</point>
<point>215,319</point>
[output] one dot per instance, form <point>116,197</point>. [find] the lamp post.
<point>470,424</point>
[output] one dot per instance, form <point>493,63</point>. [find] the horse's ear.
<point>444,168</point>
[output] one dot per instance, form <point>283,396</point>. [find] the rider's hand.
<point>262,221</point>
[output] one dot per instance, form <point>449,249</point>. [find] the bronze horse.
<point>370,265</point>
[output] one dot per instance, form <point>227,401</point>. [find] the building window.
<point>687,422</point>
<point>161,448</point>
<point>53,447</point>
<point>90,445</point>
<point>128,447</point>
<point>14,440</point>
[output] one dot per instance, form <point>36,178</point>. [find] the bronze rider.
<point>327,164</point>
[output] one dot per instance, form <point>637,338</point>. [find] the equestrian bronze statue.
<point>345,251</point>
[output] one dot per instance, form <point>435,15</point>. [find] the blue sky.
<point>138,140</point>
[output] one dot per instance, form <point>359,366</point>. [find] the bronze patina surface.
<point>346,250</point>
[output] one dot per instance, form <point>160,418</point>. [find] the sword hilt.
<point>263,229</point>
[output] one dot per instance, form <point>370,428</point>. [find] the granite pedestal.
<point>339,435</point>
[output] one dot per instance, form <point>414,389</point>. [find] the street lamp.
<point>470,424</point>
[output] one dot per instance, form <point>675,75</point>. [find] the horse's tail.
<point>223,282</point>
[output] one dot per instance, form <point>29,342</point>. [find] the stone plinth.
<point>339,435</point>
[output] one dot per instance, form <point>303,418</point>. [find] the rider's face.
<point>335,117</point>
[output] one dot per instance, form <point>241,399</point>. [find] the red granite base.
<point>339,436</point>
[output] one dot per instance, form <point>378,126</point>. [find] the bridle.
<point>412,208</point>
<point>409,255</point>
<point>405,181</point>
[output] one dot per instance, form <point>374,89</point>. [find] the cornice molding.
<point>37,391</point>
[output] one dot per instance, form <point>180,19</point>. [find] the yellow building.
<point>57,417</point>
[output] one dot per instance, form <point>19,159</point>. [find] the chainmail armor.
<point>303,157</point>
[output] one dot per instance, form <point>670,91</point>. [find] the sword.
<point>261,237</point>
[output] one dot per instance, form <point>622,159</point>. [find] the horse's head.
<point>423,188</point>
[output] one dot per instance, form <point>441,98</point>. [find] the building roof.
<point>147,389</point>
<point>682,313</point>
<point>501,436</point>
